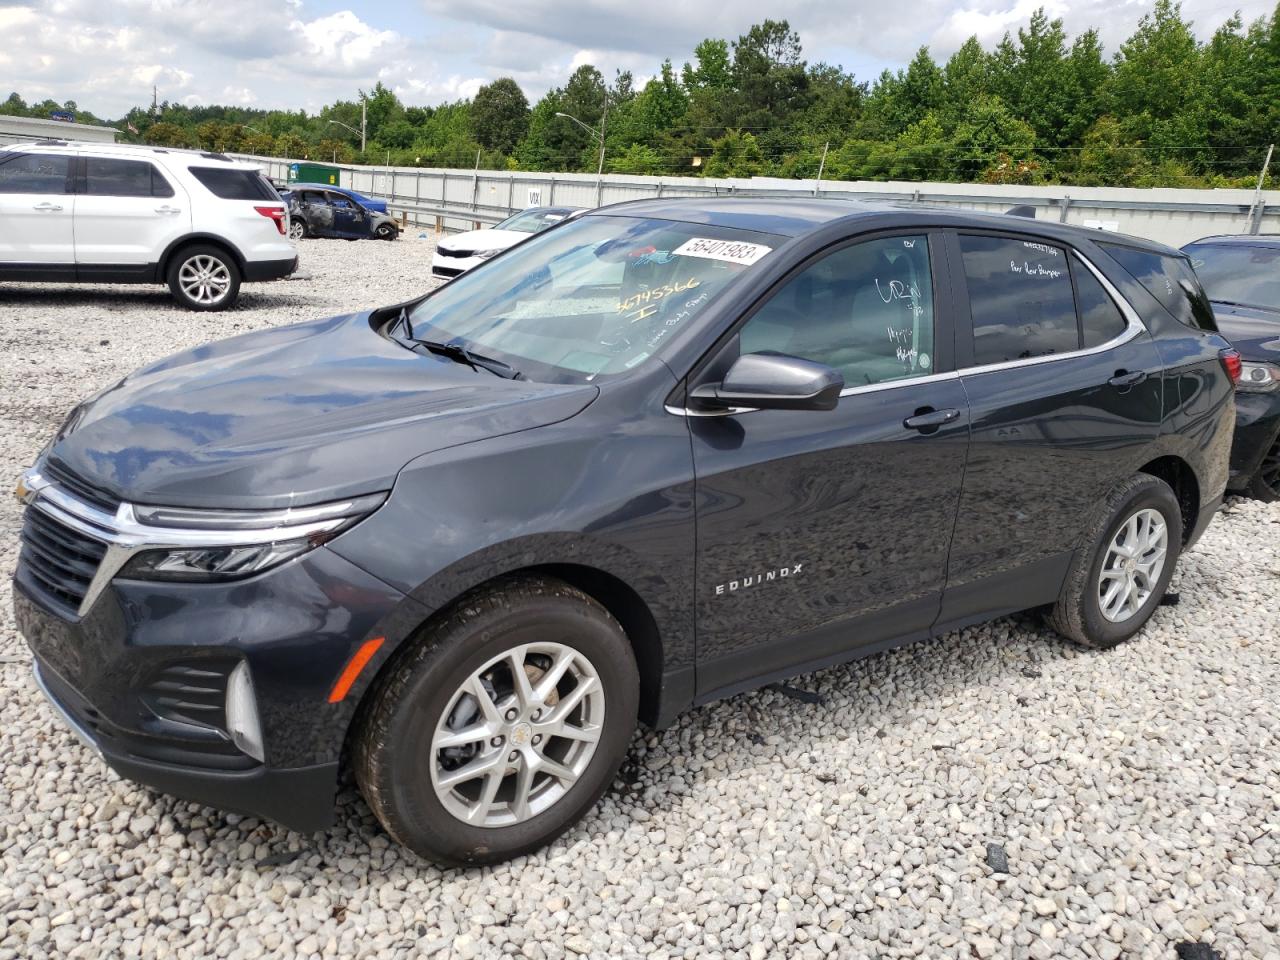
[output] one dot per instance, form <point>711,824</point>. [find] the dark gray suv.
<point>655,455</point>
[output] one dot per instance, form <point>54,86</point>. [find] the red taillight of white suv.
<point>276,214</point>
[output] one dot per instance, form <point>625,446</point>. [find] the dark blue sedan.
<point>1242,277</point>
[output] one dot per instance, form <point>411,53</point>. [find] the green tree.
<point>500,113</point>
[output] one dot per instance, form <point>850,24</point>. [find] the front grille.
<point>61,561</point>
<point>448,272</point>
<point>460,254</point>
<point>79,488</point>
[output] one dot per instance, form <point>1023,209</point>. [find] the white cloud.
<point>106,54</point>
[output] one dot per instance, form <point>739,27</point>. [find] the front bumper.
<point>1257,430</point>
<point>141,677</point>
<point>446,268</point>
<point>299,798</point>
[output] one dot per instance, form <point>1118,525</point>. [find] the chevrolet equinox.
<point>658,454</point>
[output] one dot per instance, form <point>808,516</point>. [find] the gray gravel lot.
<point>1136,793</point>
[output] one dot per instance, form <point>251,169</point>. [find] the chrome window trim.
<point>1133,327</point>
<point>124,534</point>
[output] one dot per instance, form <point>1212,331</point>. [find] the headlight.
<point>1258,377</point>
<point>209,545</point>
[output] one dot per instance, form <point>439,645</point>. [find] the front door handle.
<point>47,206</point>
<point>1124,378</point>
<point>168,210</point>
<point>927,420</point>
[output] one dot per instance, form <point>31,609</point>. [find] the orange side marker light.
<point>359,660</point>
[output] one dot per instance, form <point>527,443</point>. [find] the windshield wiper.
<point>453,350</point>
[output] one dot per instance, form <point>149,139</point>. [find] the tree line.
<point>1167,109</point>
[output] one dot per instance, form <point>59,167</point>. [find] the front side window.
<point>1238,274</point>
<point>1170,280</point>
<point>866,310</point>
<point>1021,299</point>
<point>33,172</point>
<point>595,297</point>
<point>110,177</point>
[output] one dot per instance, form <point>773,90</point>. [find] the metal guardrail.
<point>461,199</point>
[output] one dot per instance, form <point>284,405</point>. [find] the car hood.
<point>1254,331</point>
<point>293,415</point>
<point>484,240</point>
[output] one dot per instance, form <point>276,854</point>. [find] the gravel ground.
<point>1134,793</point>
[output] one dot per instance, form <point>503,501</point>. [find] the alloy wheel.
<point>1133,564</point>
<point>517,735</point>
<point>204,279</point>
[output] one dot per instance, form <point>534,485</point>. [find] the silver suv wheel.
<point>204,279</point>
<point>517,735</point>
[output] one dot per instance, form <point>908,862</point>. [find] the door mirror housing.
<point>773,381</point>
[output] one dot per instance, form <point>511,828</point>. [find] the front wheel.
<point>297,229</point>
<point>1122,568</point>
<point>502,727</point>
<point>204,277</point>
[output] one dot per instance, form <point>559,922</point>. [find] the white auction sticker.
<point>730,251</point>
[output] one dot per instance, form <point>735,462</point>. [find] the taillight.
<point>1231,363</point>
<point>276,214</point>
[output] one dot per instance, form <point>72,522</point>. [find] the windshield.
<point>1238,273</point>
<point>531,221</point>
<point>592,298</point>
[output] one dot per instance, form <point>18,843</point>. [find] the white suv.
<point>116,213</point>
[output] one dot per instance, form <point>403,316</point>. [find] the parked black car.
<point>661,453</point>
<point>324,212</point>
<point>1241,274</point>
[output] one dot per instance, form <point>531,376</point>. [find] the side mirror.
<point>774,381</point>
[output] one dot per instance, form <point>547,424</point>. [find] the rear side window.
<point>232,184</point>
<point>1100,318</point>
<point>34,173</point>
<point>1171,281</point>
<point>109,177</point>
<point>1021,297</point>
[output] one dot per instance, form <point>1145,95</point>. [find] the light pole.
<point>364,123</point>
<point>598,135</point>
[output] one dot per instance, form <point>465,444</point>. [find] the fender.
<point>162,266</point>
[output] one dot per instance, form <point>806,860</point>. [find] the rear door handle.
<point>166,209</point>
<point>1125,379</point>
<point>47,206</point>
<point>931,419</point>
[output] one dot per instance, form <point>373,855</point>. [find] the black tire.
<point>193,256</point>
<point>1078,613</point>
<point>395,730</point>
<point>1264,485</point>
<point>386,231</point>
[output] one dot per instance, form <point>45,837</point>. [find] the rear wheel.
<point>503,727</point>
<point>1265,484</point>
<point>204,277</point>
<point>1123,567</point>
<point>386,231</point>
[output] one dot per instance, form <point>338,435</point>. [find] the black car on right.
<point>1241,275</point>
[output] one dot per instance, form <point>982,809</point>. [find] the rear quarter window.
<point>1171,280</point>
<point>231,184</point>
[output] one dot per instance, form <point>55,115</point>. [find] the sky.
<point>107,54</point>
